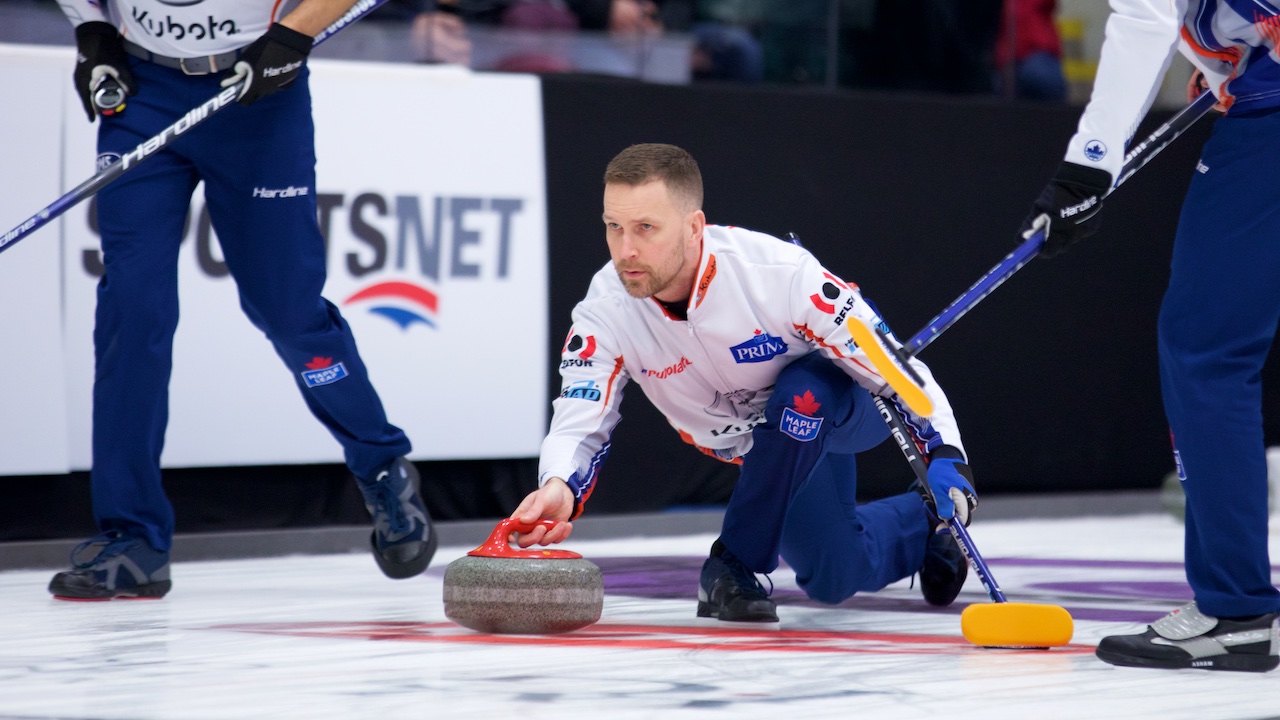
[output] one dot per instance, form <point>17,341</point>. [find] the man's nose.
<point>628,248</point>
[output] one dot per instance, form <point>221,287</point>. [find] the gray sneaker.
<point>123,566</point>
<point>1187,638</point>
<point>403,541</point>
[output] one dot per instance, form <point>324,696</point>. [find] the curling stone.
<point>500,589</point>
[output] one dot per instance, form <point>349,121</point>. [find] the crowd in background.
<point>1010,47</point>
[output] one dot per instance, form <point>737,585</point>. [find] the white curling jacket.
<point>759,304</point>
<point>1233,42</point>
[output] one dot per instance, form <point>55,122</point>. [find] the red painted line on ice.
<point>650,637</point>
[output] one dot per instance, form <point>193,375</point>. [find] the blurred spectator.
<point>437,33</point>
<point>721,52</point>
<point>725,47</point>
<point>441,37</point>
<point>1029,35</point>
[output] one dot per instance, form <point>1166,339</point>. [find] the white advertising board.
<point>431,188</point>
<point>33,401</point>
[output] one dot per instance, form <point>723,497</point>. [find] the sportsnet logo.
<point>403,303</point>
<point>322,371</point>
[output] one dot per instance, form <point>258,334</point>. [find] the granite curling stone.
<point>503,590</point>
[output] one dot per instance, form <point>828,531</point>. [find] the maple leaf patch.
<point>801,423</point>
<point>805,404</point>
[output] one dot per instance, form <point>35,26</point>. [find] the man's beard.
<point>651,284</point>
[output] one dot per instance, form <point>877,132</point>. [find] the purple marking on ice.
<point>1059,562</point>
<point>1179,591</point>
<point>676,578</point>
<point>1116,614</point>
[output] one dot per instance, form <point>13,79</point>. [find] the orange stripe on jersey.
<point>705,282</point>
<point>705,451</point>
<point>841,283</point>
<point>608,389</point>
<point>809,335</point>
<point>1230,55</point>
<point>1268,26</point>
<point>582,504</point>
<point>275,9</point>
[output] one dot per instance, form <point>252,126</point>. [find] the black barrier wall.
<point>1053,377</point>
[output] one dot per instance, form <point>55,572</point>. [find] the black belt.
<point>203,65</point>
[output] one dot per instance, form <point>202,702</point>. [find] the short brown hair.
<point>640,164</point>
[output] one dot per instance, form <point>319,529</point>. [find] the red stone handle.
<point>498,546</point>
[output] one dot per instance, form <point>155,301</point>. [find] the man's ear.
<point>697,222</point>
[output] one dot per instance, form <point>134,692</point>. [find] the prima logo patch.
<point>760,348</point>
<point>323,371</point>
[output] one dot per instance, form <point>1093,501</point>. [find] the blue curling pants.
<point>272,245</point>
<point>796,494</point>
<point>1217,323</point>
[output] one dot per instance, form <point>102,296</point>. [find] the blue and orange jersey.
<point>1233,42</point>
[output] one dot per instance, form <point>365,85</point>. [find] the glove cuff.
<point>290,38</point>
<point>1095,180</point>
<point>96,30</point>
<point>946,452</point>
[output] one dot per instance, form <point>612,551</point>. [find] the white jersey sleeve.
<point>584,415</point>
<point>821,304</point>
<point>80,12</point>
<point>1141,38</point>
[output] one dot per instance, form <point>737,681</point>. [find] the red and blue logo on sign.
<point>401,302</point>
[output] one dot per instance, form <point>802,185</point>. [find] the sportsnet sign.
<point>436,255</point>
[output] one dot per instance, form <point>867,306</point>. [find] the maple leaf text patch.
<point>800,423</point>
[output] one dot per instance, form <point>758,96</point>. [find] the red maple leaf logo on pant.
<point>319,363</point>
<point>806,404</point>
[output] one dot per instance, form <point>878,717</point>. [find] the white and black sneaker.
<point>1187,638</point>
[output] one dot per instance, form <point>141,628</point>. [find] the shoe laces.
<point>113,543</point>
<point>747,580</point>
<point>389,502</point>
